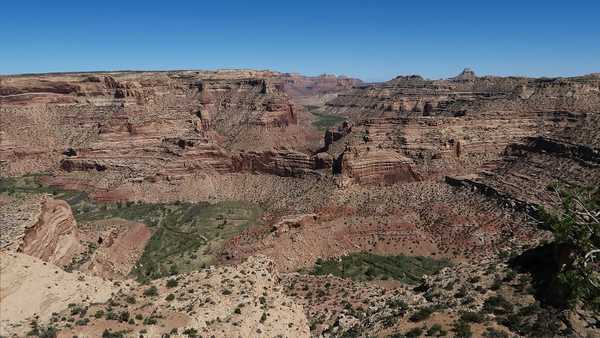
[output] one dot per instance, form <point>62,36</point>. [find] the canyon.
<point>235,186</point>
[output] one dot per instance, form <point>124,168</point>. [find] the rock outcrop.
<point>377,166</point>
<point>117,250</point>
<point>293,221</point>
<point>466,75</point>
<point>282,162</point>
<point>524,177</point>
<point>54,237</point>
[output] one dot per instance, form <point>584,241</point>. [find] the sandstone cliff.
<point>524,177</point>
<point>455,126</point>
<point>147,124</point>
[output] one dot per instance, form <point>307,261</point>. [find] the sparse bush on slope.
<point>367,266</point>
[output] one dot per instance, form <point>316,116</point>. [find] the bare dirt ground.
<point>31,288</point>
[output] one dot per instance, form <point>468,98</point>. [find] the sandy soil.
<point>30,287</point>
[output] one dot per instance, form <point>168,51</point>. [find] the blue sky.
<point>373,40</point>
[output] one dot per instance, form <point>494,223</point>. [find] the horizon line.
<point>74,72</point>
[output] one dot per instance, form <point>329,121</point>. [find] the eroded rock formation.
<point>117,249</point>
<point>529,170</point>
<point>146,124</point>
<point>455,126</point>
<point>54,237</point>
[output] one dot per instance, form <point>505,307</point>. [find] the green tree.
<point>576,228</point>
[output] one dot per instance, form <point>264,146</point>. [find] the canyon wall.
<point>149,124</point>
<point>456,126</point>
<point>529,171</point>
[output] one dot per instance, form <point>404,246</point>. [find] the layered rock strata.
<point>147,124</point>
<point>452,127</point>
<point>54,237</point>
<point>527,175</point>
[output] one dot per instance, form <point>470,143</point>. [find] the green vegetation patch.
<point>366,266</point>
<point>325,121</point>
<point>187,236</point>
<point>30,184</point>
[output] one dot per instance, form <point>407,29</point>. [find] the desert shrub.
<point>389,321</point>
<point>109,334</point>
<point>82,322</point>
<point>42,331</point>
<point>414,332</point>
<point>48,332</point>
<point>124,316</point>
<point>474,279</point>
<point>396,335</point>
<point>170,297</point>
<point>514,322</point>
<point>509,276</point>
<point>462,292</point>
<point>462,329</point>
<point>450,285</point>
<point>150,321</point>
<point>321,293</point>
<point>529,310</point>
<point>171,283</point>
<point>111,316</point>
<point>497,305</point>
<point>435,330</point>
<point>191,332</point>
<point>78,310</point>
<point>543,322</point>
<point>421,314</point>
<point>497,283</point>
<point>472,317</point>
<point>151,291</point>
<point>490,332</point>
<point>396,304</point>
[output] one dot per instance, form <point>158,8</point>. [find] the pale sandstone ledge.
<point>31,287</point>
<point>205,300</point>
